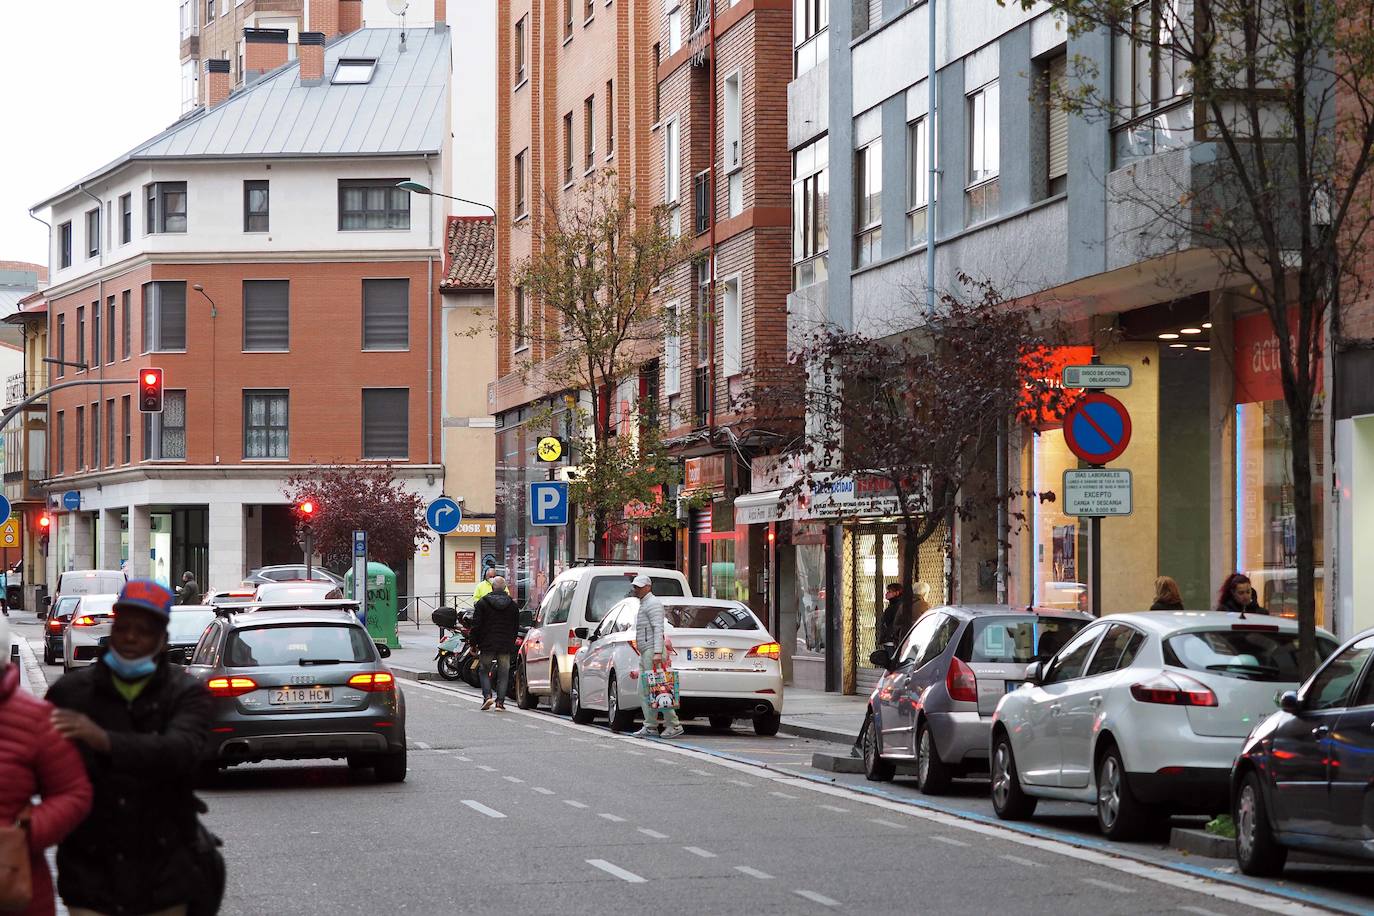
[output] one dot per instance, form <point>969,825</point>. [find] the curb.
<point>1202,843</point>
<point>30,670</point>
<point>815,732</point>
<point>413,674</point>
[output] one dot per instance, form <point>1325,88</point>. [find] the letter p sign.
<point>548,502</point>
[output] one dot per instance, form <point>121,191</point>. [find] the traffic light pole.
<point>19,408</point>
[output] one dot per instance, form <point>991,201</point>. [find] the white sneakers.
<point>675,732</point>
<point>645,732</point>
<point>668,734</point>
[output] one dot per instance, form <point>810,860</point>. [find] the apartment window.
<point>266,315</point>
<point>188,18</point>
<point>127,309</point>
<point>164,316</point>
<point>125,418</point>
<point>674,30</point>
<point>255,210</point>
<point>519,51</point>
<point>110,330</point>
<point>62,345</point>
<point>918,180</point>
<point>567,148</point>
<point>868,203</point>
<point>95,333</point>
<point>386,314</point>
<point>701,200</point>
<point>190,84</point>
<point>810,212</point>
<point>386,422</point>
<point>60,440</point>
<point>732,319</point>
<point>165,207</point>
<point>588,132</point>
<point>984,162</point>
<point>610,117</point>
<point>164,434</point>
<point>265,430</point>
<point>521,329</point>
<point>868,15</point>
<point>1149,83</point>
<point>238,46</point>
<point>81,335</point>
<point>1056,130</point>
<point>672,351</point>
<point>209,10</point>
<point>110,433</point>
<point>567,18</point>
<point>93,233</point>
<point>588,9</point>
<point>734,145</point>
<point>64,245</point>
<point>519,182</point>
<point>95,435</point>
<point>672,163</point>
<point>373,203</point>
<point>658,89</point>
<point>126,218</point>
<point>701,342</point>
<point>80,438</point>
<point>810,22</point>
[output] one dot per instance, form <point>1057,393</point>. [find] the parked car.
<point>303,590</point>
<point>184,630</point>
<point>229,597</point>
<point>1142,715</point>
<point>300,683</point>
<point>291,572</point>
<point>578,597</point>
<point>55,628</point>
<point>934,705</point>
<point>726,663</point>
<point>84,638</point>
<point>88,582</point>
<point>1302,779</point>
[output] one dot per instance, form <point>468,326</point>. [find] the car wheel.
<point>933,775</point>
<point>766,724</point>
<point>1120,815</point>
<point>391,767</point>
<point>580,714</point>
<point>875,767</point>
<point>523,697</point>
<point>1258,853</point>
<point>1009,800</point>
<point>621,720</point>
<point>48,657</point>
<point>557,698</point>
<point>721,723</point>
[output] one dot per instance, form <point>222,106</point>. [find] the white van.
<point>579,597</point>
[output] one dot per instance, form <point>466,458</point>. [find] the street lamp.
<point>415,187</point>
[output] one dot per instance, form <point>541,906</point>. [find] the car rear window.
<point>66,604</point>
<point>83,584</point>
<point>96,604</point>
<point>289,645</point>
<point>607,590</point>
<point>1016,640</point>
<point>705,617</point>
<point>188,625</point>
<point>1257,655</point>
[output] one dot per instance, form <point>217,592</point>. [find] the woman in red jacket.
<point>36,760</point>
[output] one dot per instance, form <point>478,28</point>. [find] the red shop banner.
<point>1051,366</point>
<point>1258,372</point>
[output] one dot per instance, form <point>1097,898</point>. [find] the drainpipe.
<point>931,130</point>
<point>711,209</point>
<point>429,322</point>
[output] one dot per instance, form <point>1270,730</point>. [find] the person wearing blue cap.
<point>141,725</point>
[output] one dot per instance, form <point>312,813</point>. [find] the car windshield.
<point>187,626</point>
<point>1253,654</point>
<point>1016,640</point>
<point>607,590</point>
<point>707,617</point>
<point>91,583</point>
<point>315,643</point>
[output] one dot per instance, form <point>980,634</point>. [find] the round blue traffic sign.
<point>1098,428</point>
<point>71,500</point>
<point>444,515</point>
<point>5,509</point>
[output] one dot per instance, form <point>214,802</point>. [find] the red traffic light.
<point>150,378</point>
<point>306,508</point>
<point>45,521</point>
<point>150,390</point>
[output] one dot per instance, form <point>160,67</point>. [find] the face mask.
<point>130,669</point>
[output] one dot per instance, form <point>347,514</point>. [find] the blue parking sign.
<point>548,502</point>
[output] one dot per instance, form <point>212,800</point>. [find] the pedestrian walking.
<point>1167,597</point>
<point>140,724</point>
<point>483,588</point>
<point>189,593</point>
<point>649,636</point>
<point>896,616</point>
<point>495,624</point>
<point>34,761</point>
<point>1237,596</point>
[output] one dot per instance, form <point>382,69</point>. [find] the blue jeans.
<point>502,662</point>
<point>646,664</point>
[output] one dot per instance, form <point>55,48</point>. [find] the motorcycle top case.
<point>445,617</point>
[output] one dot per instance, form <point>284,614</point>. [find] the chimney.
<point>310,52</point>
<point>263,50</point>
<point>216,81</point>
<point>324,17</point>
<point>440,15</point>
<point>350,15</point>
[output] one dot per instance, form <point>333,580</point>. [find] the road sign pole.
<point>443,592</point>
<point>1095,542</point>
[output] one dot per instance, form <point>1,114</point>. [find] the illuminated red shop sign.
<point>1048,367</point>
<point>1259,376</point>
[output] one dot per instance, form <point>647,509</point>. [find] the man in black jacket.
<point>140,724</point>
<point>495,622</point>
<point>896,616</point>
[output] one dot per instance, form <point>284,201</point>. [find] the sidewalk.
<point>805,713</point>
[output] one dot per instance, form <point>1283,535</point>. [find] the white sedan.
<point>727,665</point>
<point>1142,715</point>
<point>89,628</point>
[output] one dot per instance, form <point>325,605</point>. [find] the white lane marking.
<point>613,818</point>
<point>816,898</point>
<point>654,834</point>
<point>543,791</point>
<point>465,759</point>
<point>878,820</point>
<point>533,726</point>
<point>607,746</point>
<point>782,795</point>
<point>741,782</point>
<point>754,872</point>
<point>481,808</point>
<point>1029,864</point>
<point>483,766</point>
<point>666,762</point>
<point>699,772</point>
<point>573,804</point>
<point>441,751</point>
<point>1199,911</point>
<point>615,871</point>
<point>512,779</point>
<point>698,851</point>
<point>949,840</point>
<point>550,731</point>
<point>626,750</point>
<point>1107,886</point>
<point>421,745</point>
<point>836,808</point>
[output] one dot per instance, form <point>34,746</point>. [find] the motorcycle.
<point>453,644</point>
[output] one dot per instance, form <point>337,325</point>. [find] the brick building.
<point>213,30</point>
<point>260,253</point>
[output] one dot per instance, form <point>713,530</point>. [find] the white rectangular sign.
<point>1095,492</point>
<point>1097,376</point>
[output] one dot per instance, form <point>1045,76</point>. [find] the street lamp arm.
<point>415,187</point>
<point>14,411</point>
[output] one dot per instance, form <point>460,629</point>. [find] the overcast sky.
<point>101,76</point>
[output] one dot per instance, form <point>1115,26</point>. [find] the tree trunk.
<point>910,560</point>
<point>1301,435</point>
<point>599,535</point>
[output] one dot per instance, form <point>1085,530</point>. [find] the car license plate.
<point>710,655</point>
<point>1012,685</point>
<point>301,696</point>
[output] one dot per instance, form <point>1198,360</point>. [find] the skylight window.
<point>354,70</point>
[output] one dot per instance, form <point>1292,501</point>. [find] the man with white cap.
<point>649,638</point>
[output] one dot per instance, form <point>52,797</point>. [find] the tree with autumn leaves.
<point>367,498</point>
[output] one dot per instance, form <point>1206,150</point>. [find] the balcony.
<point>14,389</point>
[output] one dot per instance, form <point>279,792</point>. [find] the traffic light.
<point>305,512</point>
<point>44,523</point>
<point>150,390</point>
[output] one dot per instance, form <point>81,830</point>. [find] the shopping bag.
<point>663,690</point>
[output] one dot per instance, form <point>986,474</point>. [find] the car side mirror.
<point>1035,672</point>
<point>581,633</point>
<point>881,658</point>
<point>47,600</point>
<point>383,650</point>
<point>1289,702</point>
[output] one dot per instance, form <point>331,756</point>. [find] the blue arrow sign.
<point>71,500</point>
<point>548,502</point>
<point>444,515</point>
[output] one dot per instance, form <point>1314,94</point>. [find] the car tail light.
<point>765,650</point>
<point>961,682</point>
<point>373,681</point>
<point>85,620</point>
<point>573,642</point>
<point>54,625</point>
<point>235,686</point>
<point>1173,690</point>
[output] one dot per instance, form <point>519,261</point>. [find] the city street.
<point>526,812</point>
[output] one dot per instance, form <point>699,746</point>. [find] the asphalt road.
<point>523,812</point>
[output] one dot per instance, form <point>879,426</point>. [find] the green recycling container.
<point>381,602</point>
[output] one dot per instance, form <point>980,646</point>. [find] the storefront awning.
<point>758,508</point>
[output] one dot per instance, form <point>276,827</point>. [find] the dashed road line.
<point>543,791</point>
<point>836,808</point>
<point>1199,911</point>
<point>481,808</point>
<point>816,898</point>
<point>421,745</point>
<point>626,750</point>
<point>666,762</point>
<point>699,772</point>
<point>753,872</point>
<point>465,759</point>
<point>741,782</point>
<point>613,818</point>
<point>483,766</point>
<point>531,725</point>
<point>573,804</point>
<point>512,779</point>
<point>878,820</point>
<point>782,795</point>
<point>698,851</point>
<point>653,834</point>
<point>615,871</point>
<point>1030,864</point>
<point>1107,885</point>
<point>949,841</point>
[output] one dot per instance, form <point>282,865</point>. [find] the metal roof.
<point>402,110</point>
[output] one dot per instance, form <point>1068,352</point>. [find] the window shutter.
<point>171,315</point>
<point>1058,126</point>
<point>266,315</point>
<point>386,422</point>
<point>386,314</point>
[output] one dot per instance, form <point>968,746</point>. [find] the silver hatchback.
<point>934,705</point>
